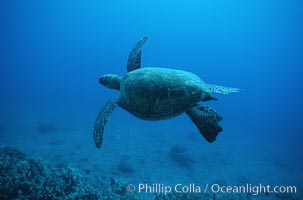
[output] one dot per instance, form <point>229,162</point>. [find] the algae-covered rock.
<point>118,190</point>
<point>25,178</point>
<point>180,155</point>
<point>125,166</point>
<point>45,128</point>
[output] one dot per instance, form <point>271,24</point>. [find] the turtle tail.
<point>102,118</point>
<point>222,89</point>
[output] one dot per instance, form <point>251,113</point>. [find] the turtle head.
<point>111,81</point>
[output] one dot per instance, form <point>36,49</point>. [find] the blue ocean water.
<point>52,54</point>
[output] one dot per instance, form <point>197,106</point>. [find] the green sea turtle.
<point>160,93</point>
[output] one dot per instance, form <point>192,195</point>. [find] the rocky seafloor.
<point>22,177</point>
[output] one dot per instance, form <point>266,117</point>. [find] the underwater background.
<point>52,54</point>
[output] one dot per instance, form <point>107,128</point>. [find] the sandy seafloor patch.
<point>144,146</point>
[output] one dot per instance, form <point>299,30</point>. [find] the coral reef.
<point>180,155</point>
<point>25,178</point>
<point>45,128</point>
<point>118,190</point>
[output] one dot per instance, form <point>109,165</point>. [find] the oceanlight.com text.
<point>255,190</point>
<point>252,189</point>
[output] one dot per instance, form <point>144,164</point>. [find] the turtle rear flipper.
<point>206,119</point>
<point>222,89</point>
<point>102,118</point>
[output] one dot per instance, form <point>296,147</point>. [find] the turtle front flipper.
<point>134,58</point>
<point>206,119</point>
<point>102,118</point>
